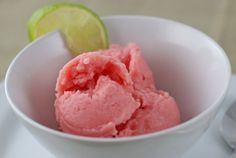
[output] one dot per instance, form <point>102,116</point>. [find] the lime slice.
<point>83,29</point>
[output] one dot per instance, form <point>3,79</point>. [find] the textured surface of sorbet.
<point>111,93</point>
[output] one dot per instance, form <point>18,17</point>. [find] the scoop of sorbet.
<point>111,93</point>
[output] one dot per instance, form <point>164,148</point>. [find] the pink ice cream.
<point>111,93</point>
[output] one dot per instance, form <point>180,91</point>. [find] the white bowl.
<point>185,62</point>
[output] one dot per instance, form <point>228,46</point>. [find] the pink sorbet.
<point>111,93</point>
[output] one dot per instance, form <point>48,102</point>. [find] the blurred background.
<point>214,17</point>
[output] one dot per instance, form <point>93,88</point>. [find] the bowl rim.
<point>189,122</point>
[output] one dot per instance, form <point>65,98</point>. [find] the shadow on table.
<point>8,124</point>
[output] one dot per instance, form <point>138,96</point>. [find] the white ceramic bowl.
<point>185,62</point>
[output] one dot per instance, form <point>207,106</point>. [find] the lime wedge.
<point>83,29</point>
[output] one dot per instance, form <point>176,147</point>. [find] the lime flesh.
<point>83,30</point>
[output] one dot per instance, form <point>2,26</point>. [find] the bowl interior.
<point>185,62</point>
